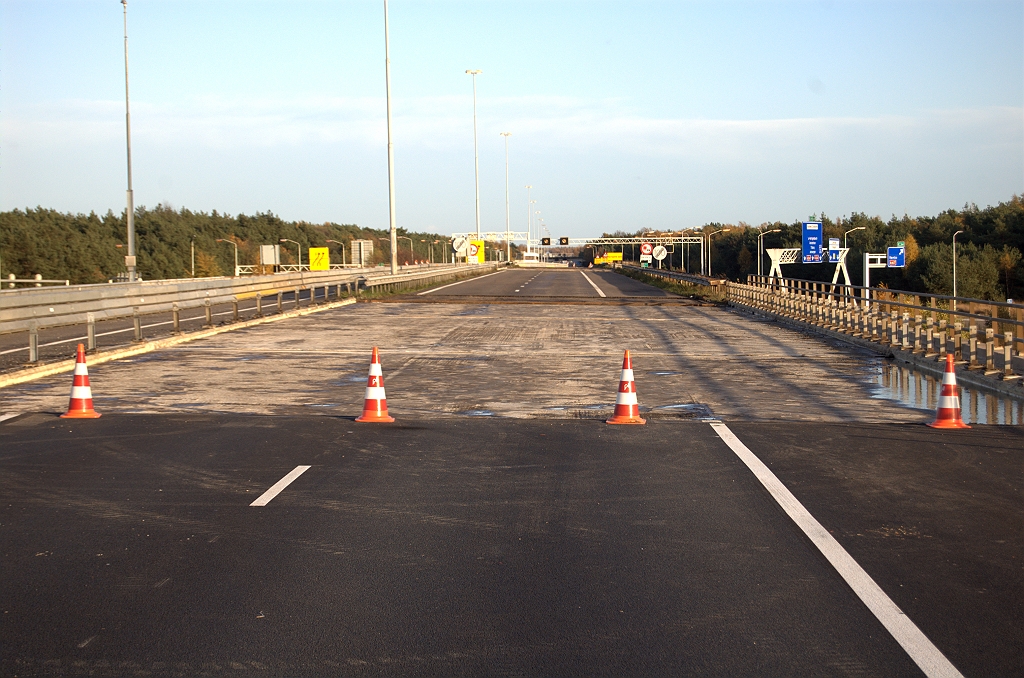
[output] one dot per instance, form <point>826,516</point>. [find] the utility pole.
<point>130,259</point>
<point>508,214</point>
<point>391,148</point>
<point>476,154</point>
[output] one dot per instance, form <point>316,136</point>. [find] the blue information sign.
<point>812,242</point>
<point>896,257</point>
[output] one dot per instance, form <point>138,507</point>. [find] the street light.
<point>193,255</point>
<point>338,242</point>
<point>391,147</point>
<point>721,230</point>
<point>859,228</point>
<point>476,156</point>
<point>529,217</point>
<point>236,252</point>
<point>760,247</point>
<point>297,247</point>
<point>411,251</point>
<point>508,214</point>
<point>954,268</point>
<point>130,259</point>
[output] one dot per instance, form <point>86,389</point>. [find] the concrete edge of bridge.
<point>1012,389</point>
<point>98,358</point>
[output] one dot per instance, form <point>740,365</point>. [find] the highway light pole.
<point>297,247</point>
<point>760,247</point>
<point>508,214</point>
<point>954,268</point>
<point>529,217</point>
<point>391,147</point>
<point>338,242</point>
<point>411,250</point>
<point>721,230</point>
<point>130,259</point>
<point>476,155</point>
<point>859,228</point>
<point>236,252</point>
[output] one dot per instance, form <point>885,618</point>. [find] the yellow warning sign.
<point>319,259</point>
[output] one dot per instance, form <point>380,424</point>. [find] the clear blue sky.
<point>622,115</point>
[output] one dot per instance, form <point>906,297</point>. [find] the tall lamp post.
<point>130,259</point>
<point>342,248</point>
<point>235,244</point>
<point>760,247</point>
<point>411,250</point>
<point>859,228</point>
<point>391,147</point>
<point>529,217</point>
<point>193,255</point>
<point>508,214</point>
<point>721,230</point>
<point>954,268</point>
<point>298,247</point>
<point>476,156</point>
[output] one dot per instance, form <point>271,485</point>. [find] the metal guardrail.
<point>37,308</point>
<point>678,275</point>
<point>11,282</point>
<point>986,335</point>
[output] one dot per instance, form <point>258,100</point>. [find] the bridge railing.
<point>986,335</point>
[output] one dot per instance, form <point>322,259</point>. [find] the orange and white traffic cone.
<point>627,411</point>
<point>948,413</point>
<point>80,406</point>
<point>375,407</point>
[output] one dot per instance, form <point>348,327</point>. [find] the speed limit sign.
<point>646,248</point>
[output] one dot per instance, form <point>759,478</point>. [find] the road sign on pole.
<point>812,242</point>
<point>896,257</point>
<point>646,248</point>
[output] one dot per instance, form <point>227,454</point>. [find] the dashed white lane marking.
<point>420,294</point>
<point>928,657</point>
<point>592,283</point>
<point>9,415</point>
<point>277,487</point>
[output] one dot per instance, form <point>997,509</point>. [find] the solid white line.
<point>277,487</point>
<point>9,415</point>
<point>420,294</point>
<point>592,284</point>
<point>928,657</point>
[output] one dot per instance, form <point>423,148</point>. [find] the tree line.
<point>989,250</point>
<point>87,248</point>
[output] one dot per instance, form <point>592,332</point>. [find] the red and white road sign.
<point>646,248</point>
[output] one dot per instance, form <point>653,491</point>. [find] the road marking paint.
<point>279,486</point>
<point>592,284</point>
<point>928,657</point>
<point>9,415</point>
<point>420,294</point>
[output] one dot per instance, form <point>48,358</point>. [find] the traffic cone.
<point>375,407</point>
<point>80,406</point>
<point>627,411</point>
<point>948,413</point>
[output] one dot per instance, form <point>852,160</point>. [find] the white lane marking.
<point>9,415</point>
<point>420,294</point>
<point>928,657</point>
<point>592,284</point>
<point>277,487</point>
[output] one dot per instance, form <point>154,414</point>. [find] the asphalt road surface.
<point>497,547</point>
<point>549,284</point>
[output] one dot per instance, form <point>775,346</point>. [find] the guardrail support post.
<point>958,340</point>
<point>259,305</point>
<point>280,302</point>
<point>973,347</point>
<point>234,310</point>
<point>917,334</point>
<point>298,291</point>
<point>929,350</point>
<point>176,319</point>
<point>990,345</point>
<point>905,339</point>
<point>33,344</point>
<point>1008,357</point>
<point>90,331</point>
<point>137,321</point>
<point>209,312</point>
<point>943,327</point>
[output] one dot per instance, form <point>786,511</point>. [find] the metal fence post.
<point>943,327</point>
<point>176,318</point>
<point>990,345</point>
<point>33,343</point>
<point>259,305</point>
<point>1008,356</point>
<point>973,347</point>
<point>90,331</point>
<point>298,291</point>
<point>234,309</point>
<point>209,312</point>
<point>137,321</point>
<point>958,340</point>
<point>280,302</point>
<point>905,343</point>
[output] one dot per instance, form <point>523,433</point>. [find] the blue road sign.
<point>812,242</point>
<point>833,250</point>
<point>896,257</point>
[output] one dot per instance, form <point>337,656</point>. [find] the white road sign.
<point>660,252</point>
